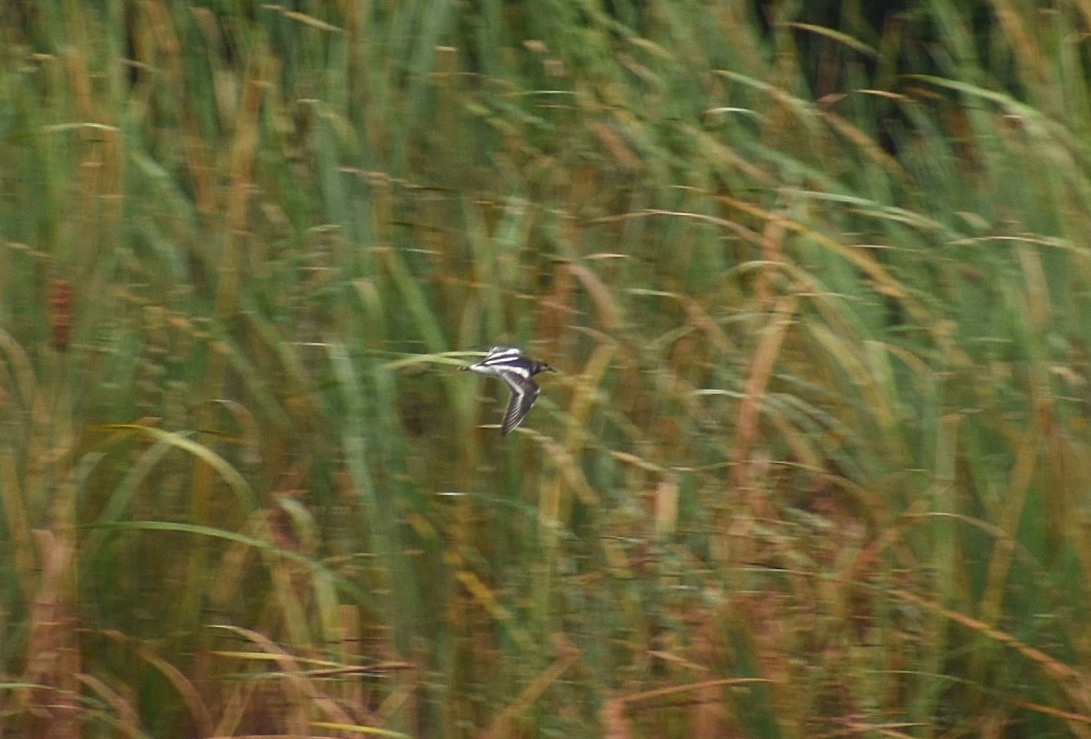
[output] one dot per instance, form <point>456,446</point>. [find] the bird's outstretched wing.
<point>523,394</point>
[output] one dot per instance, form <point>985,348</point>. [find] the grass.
<point>816,461</point>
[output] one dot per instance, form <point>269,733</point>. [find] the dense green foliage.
<point>816,462</point>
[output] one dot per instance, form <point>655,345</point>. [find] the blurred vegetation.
<point>815,274</point>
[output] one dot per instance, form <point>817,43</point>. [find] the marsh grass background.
<point>816,464</point>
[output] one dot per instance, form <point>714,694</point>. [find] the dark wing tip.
<point>512,416</point>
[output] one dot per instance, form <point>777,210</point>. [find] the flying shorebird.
<point>516,370</point>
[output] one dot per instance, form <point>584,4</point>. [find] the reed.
<point>815,463</point>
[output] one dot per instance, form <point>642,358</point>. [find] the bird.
<point>516,370</point>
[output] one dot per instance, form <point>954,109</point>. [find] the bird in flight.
<point>516,370</point>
